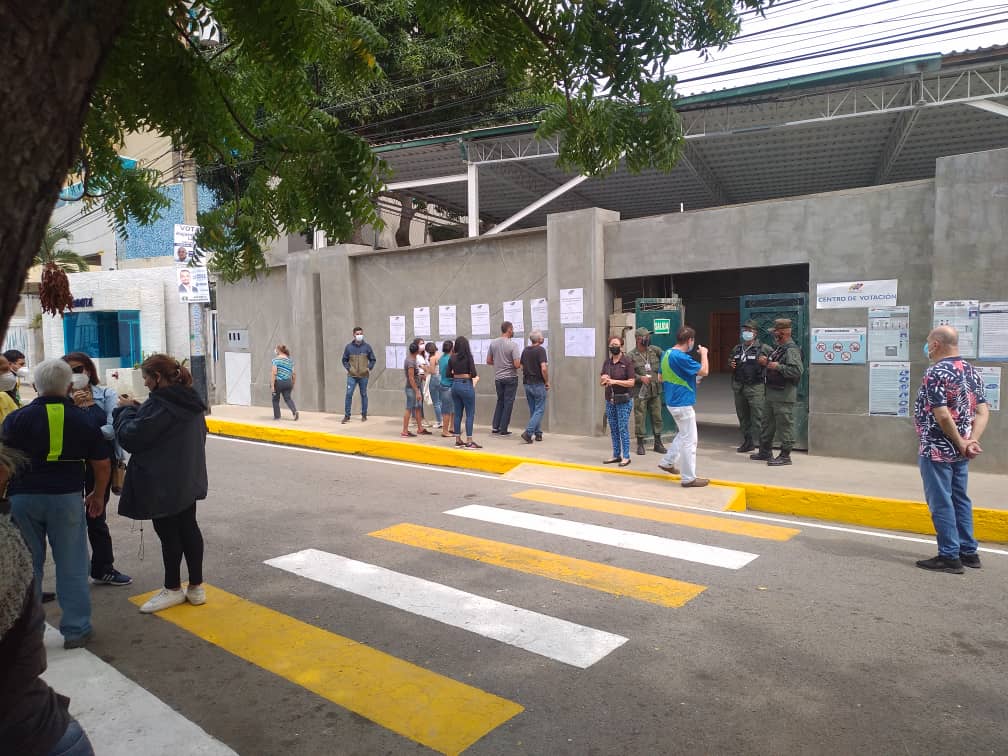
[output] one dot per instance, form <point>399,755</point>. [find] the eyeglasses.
<point>79,369</point>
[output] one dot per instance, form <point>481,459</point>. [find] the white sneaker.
<point>164,600</point>
<point>195,595</point>
<point>438,425</point>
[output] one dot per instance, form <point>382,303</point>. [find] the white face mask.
<point>79,381</point>
<point>358,337</point>
<point>8,381</point>
<point>23,373</point>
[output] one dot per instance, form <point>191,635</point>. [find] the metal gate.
<point>663,317</point>
<point>764,309</point>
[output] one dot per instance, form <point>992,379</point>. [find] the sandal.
<point>624,463</point>
<point>408,434</point>
<point>612,461</point>
<point>424,432</point>
<point>459,442</point>
<point>473,445</point>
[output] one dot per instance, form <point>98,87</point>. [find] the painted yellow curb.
<point>852,509</point>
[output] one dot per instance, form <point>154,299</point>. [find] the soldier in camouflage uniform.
<point>784,368</point>
<point>647,389</point>
<point>747,384</point>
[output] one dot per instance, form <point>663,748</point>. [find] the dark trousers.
<point>506,390</point>
<point>180,536</point>
<point>102,558</point>
<point>283,388</point>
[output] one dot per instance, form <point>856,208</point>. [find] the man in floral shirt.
<point>951,414</point>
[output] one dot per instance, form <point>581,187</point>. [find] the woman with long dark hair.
<point>462,371</point>
<point>166,436</point>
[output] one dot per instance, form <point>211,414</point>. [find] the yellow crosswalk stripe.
<point>436,711</point>
<point>660,514</point>
<point>601,577</point>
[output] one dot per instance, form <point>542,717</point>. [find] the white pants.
<point>682,450</point>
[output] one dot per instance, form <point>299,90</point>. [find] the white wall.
<point>164,321</point>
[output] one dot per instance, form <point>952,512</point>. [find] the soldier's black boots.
<point>747,445</point>
<point>658,446</point>
<point>763,454</point>
<point>784,458</point>
<point>640,446</point>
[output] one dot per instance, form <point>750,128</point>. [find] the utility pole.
<point>197,310</point>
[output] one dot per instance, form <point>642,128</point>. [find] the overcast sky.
<point>887,21</point>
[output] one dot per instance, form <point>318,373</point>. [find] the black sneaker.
<point>345,420</point>
<point>112,577</point>
<point>942,564</point>
<point>538,436</point>
<point>526,437</point>
<point>363,418</point>
<point>79,642</point>
<point>970,560</point>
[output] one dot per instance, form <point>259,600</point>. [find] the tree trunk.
<point>406,213</point>
<point>53,55</point>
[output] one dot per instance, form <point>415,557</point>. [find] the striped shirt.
<point>284,368</point>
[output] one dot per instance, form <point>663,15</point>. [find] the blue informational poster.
<point>839,346</point>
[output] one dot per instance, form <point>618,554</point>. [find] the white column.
<point>473,183</point>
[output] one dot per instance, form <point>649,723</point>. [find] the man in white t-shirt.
<point>505,356</point>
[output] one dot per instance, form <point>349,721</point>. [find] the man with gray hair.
<point>535,374</point>
<point>950,414</point>
<point>46,495</point>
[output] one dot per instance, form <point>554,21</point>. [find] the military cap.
<point>642,332</point>
<point>751,325</point>
<point>781,323</point>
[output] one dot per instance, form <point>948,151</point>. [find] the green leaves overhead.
<point>260,96</point>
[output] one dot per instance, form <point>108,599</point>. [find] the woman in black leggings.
<point>166,476</point>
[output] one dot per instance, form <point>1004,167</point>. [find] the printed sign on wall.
<point>832,296</point>
<point>838,346</point>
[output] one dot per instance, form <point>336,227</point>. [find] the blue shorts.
<point>412,402</point>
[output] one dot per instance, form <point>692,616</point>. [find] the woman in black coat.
<point>166,476</point>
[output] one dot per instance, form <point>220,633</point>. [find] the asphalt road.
<point>830,642</point>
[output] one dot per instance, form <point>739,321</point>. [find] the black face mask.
<point>614,350</point>
<point>645,342</point>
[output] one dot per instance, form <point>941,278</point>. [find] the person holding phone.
<point>680,373</point>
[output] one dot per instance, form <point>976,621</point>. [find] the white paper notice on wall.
<point>540,314</point>
<point>480,318</point>
<point>447,321</point>
<point>889,334</point>
<point>964,316</point>
<point>889,389</point>
<point>421,321</point>
<point>515,313</point>
<point>390,358</point>
<point>991,377</point>
<point>579,342</point>
<point>479,347</point>
<point>572,306</point>
<point>832,296</point>
<point>397,329</point>
<point>993,331</point>
<point>400,355</point>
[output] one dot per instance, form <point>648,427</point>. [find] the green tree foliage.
<point>279,104</point>
<point>52,251</point>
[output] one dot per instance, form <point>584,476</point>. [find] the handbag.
<point>118,477</point>
<point>620,398</point>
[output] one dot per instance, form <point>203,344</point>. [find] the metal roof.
<point>848,128</point>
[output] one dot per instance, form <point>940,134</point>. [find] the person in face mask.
<point>646,360</point>
<point>748,385</point>
<point>98,402</point>
<point>16,361</point>
<point>784,367</point>
<point>358,360</point>
<point>8,382</point>
<point>618,378</point>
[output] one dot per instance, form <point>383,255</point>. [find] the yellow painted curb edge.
<point>852,509</point>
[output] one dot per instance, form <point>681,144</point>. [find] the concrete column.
<point>305,339</point>
<point>575,258</point>
<point>338,297</point>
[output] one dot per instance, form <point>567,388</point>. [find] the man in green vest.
<point>646,360</point>
<point>748,377</point>
<point>784,368</point>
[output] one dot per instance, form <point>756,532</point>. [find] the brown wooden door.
<point>724,330</point>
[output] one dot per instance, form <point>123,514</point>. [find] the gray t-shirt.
<point>504,353</point>
<point>411,363</point>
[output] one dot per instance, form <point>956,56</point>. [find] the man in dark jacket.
<point>34,720</point>
<point>47,501</point>
<point>359,360</point>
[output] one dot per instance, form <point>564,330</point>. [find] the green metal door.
<point>663,317</point>
<point>764,309</point>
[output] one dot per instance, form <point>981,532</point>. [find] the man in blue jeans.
<point>46,496</point>
<point>535,375</point>
<point>950,414</point>
<point>359,360</point>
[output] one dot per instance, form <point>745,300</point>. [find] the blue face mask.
<point>748,335</point>
<point>927,353</point>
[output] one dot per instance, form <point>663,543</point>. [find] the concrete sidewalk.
<point>716,457</point>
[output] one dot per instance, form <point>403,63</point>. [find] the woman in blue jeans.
<point>618,378</point>
<point>462,371</point>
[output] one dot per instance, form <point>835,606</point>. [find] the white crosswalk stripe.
<point>624,539</point>
<point>547,636</point>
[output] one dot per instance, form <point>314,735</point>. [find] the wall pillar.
<point>305,338</point>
